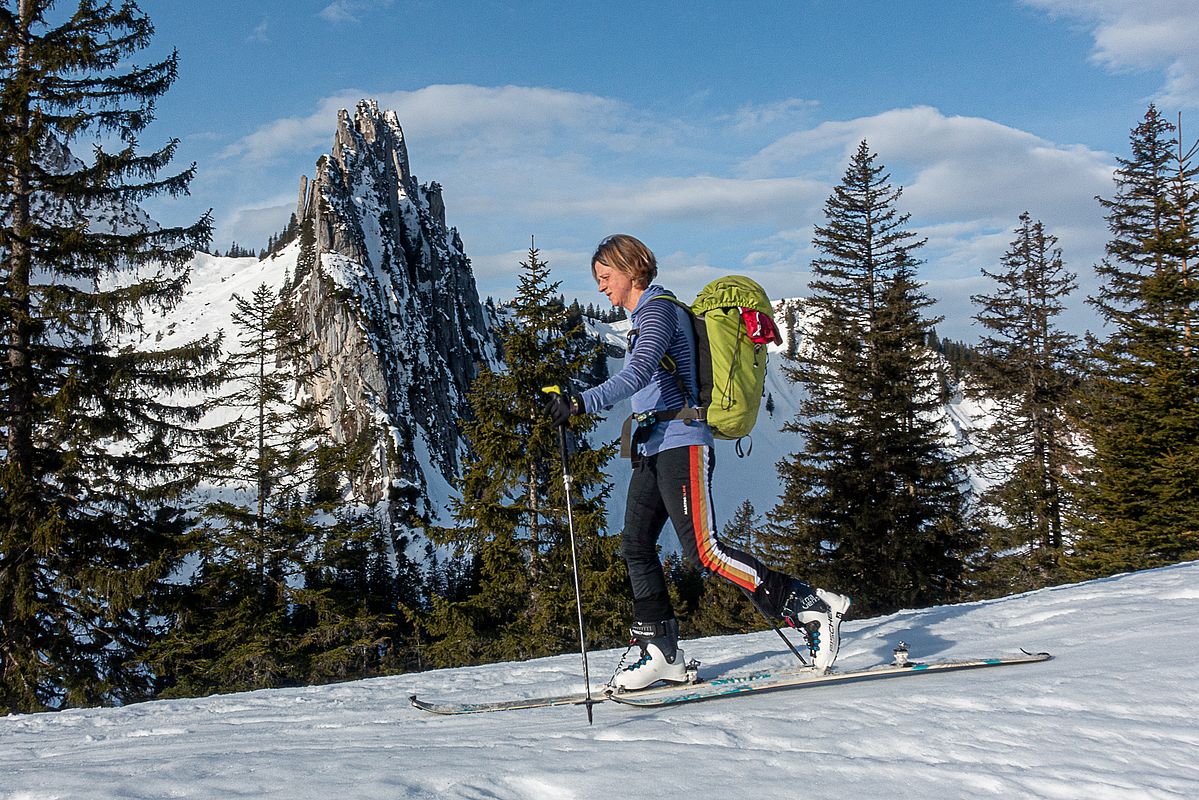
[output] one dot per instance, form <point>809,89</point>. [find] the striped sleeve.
<point>657,323</point>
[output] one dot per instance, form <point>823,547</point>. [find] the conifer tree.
<point>872,505</point>
<point>271,601</point>
<point>512,517</point>
<point>791,326</point>
<point>1141,406</point>
<point>90,467</point>
<point>306,260</point>
<point>1028,370</point>
<point>344,608</point>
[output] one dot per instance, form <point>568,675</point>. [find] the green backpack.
<point>732,320</point>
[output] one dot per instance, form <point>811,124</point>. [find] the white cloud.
<point>285,137</point>
<point>952,167</point>
<point>706,198</point>
<point>254,224</point>
<point>563,263</point>
<point>259,34</point>
<point>1142,34</point>
<point>754,116</point>
<point>350,11</point>
<point>458,118</point>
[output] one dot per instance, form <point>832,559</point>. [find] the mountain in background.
<point>386,302</point>
<point>391,307</point>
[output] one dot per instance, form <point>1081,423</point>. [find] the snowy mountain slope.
<point>1112,716</point>
<point>207,305</point>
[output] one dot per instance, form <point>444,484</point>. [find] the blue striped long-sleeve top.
<point>662,328</point>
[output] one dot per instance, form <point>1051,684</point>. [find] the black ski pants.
<point>676,484</point>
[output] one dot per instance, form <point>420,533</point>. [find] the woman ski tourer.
<point>672,461</point>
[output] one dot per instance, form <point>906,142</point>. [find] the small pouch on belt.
<point>645,423</point>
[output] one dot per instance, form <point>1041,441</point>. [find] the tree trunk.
<point>17,479</point>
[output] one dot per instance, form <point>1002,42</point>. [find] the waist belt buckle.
<point>648,419</point>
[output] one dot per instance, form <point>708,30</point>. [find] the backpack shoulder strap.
<point>667,363</point>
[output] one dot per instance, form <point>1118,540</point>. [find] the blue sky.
<point>713,131</point>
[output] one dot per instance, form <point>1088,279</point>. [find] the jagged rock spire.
<point>391,308</point>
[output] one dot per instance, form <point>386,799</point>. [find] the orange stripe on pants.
<point>711,554</point>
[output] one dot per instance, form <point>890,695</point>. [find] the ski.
<point>504,705</point>
<point>580,699</point>
<point>729,685</point>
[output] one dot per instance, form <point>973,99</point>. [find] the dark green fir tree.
<point>873,505</point>
<point>272,600</point>
<point>1140,498</point>
<point>351,583</point>
<point>512,518</point>
<point>94,423</point>
<point>1028,371</point>
<point>306,261</point>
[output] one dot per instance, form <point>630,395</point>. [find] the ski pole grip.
<point>556,389</point>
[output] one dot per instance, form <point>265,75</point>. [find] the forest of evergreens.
<point>116,587</point>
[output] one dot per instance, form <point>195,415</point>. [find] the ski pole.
<point>774,625</point>
<point>567,480</point>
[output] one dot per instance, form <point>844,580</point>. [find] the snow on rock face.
<point>391,309</point>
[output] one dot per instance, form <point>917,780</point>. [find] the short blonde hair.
<point>629,255</point>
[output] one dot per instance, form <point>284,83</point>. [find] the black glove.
<point>560,407</point>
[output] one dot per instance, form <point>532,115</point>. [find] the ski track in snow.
<point>1112,716</point>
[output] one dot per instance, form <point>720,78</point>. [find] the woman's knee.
<point>636,546</point>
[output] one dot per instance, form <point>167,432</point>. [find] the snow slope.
<point>1113,716</point>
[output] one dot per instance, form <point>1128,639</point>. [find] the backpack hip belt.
<point>647,420</point>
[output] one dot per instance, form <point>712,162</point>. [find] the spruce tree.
<point>1028,372</point>
<point>344,606</point>
<point>90,470</point>
<point>1141,405</point>
<point>306,260</point>
<point>872,506</point>
<point>511,518</point>
<point>271,601</point>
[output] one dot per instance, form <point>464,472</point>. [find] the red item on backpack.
<point>759,327</point>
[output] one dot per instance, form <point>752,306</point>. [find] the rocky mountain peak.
<point>391,308</point>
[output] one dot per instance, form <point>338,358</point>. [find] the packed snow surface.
<point>1112,716</point>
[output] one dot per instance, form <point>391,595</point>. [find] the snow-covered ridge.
<point>1112,716</point>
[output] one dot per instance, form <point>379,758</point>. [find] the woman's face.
<point>615,285</point>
